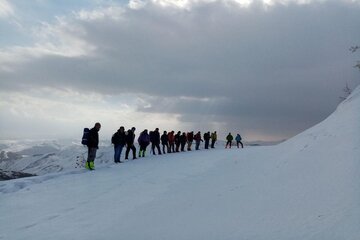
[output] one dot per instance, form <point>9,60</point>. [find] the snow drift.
<point>304,188</point>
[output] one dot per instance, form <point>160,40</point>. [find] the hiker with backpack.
<point>165,142</point>
<point>93,146</point>
<point>207,139</point>
<point>177,141</point>
<point>130,137</point>
<point>119,141</point>
<point>155,141</point>
<point>144,141</point>
<point>171,139</point>
<point>190,139</point>
<point>183,141</point>
<point>229,139</point>
<point>197,139</point>
<point>151,135</point>
<point>238,141</point>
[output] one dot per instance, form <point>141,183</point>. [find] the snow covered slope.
<point>305,188</point>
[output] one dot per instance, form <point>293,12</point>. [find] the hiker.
<point>155,141</point>
<point>207,139</point>
<point>229,139</point>
<point>238,141</point>
<point>183,141</point>
<point>197,139</point>
<point>213,139</point>
<point>165,142</point>
<point>93,146</point>
<point>151,135</point>
<point>119,140</point>
<point>144,141</point>
<point>171,139</point>
<point>190,139</point>
<point>130,137</point>
<point>177,141</point>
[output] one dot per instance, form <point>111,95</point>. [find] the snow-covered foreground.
<point>305,188</point>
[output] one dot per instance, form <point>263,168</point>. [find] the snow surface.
<point>305,188</point>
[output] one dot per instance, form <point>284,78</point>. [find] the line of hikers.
<point>170,142</point>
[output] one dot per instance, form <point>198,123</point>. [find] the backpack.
<point>113,138</point>
<point>85,138</point>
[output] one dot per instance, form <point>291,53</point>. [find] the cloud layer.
<point>269,70</point>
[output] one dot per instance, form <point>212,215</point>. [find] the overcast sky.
<point>266,69</point>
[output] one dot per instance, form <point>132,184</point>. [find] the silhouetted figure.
<point>229,139</point>
<point>155,141</point>
<point>165,142</point>
<point>207,139</point>
<point>130,137</point>
<point>177,141</point>
<point>171,138</point>
<point>190,139</point>
<point>183,141</point>
<point>197,139</point>
<point>119,141</point>
<point>93,146</point>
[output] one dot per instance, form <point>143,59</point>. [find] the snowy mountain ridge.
<point>305,188</point>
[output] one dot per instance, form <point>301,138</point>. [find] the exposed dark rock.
<point>8,175</point>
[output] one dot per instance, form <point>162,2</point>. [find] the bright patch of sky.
<point>18,18</point>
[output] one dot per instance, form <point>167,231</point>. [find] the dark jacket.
<point>206,136</point>
<point>190,136</point>
<point>164,139</point>
<point>93,138</point>
<point>229,138</point>
<point>183,138</point>
<point>152,136</point>
<point>119,138</point>
<point>177,138</point>
<point>130,136</point>
<point>156,137</point>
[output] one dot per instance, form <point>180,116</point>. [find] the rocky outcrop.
<point>8,175</point>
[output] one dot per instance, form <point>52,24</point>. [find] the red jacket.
<point>171,137</point>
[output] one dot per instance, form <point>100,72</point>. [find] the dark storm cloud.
<point>281,67</point>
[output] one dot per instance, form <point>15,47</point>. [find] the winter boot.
<point>92,165</point>
<point>89,165</point>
